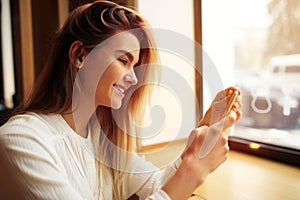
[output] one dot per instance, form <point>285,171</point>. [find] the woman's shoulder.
<point>30,124</point>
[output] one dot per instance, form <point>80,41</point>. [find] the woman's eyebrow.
<point>127,53</point>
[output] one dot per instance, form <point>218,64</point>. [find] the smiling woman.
<point>76,135</point>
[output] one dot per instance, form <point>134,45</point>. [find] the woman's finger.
<point>226,92</point>
<point>196,138</point>
<point>216,134</point>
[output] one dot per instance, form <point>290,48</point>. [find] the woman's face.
<point>122,54</point>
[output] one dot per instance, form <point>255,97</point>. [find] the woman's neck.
<point>78,124</point>
<point>79,115</point>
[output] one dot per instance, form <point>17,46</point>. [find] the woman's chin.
<point>116,105</point>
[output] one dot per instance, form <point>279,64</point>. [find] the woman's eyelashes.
<point>124,61</point>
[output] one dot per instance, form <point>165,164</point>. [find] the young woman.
<point>75,136</point>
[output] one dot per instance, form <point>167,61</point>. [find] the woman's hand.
<point>194,168</point>
<point>207,146</point>
<point>216,111</point>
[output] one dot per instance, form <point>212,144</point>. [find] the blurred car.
<point>271,98</point>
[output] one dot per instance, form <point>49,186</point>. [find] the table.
<point>247,177</point>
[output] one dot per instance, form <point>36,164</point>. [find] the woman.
<point>75,137</point>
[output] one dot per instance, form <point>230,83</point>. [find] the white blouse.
<point>57,163</point>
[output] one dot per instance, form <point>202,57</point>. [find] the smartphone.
<point>232,101</point>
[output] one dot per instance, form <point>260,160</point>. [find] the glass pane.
<point>265,52</point>
<point>175,68</point>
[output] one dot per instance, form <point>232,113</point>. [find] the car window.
<point>293,69</point>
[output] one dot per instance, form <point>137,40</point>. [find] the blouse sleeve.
<point>146,181</point>
<point>159,194</point>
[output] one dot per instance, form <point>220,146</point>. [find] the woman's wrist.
<point>184,182</point>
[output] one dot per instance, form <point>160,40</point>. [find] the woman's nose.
<point>131,77</point>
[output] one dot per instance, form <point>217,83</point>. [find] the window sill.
<point>273,152</point>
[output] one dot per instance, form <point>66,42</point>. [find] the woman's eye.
<point>123,60</point>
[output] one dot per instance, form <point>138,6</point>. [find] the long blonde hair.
<point>92,24</point>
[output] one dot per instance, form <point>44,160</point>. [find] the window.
<point>255,45</point>
<point>174,108</point>
<point>7,87</point>
<point>7,72</point>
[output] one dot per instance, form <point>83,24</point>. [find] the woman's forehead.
<point>125,41</point>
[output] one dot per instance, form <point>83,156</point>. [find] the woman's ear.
<point>77,54</point>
